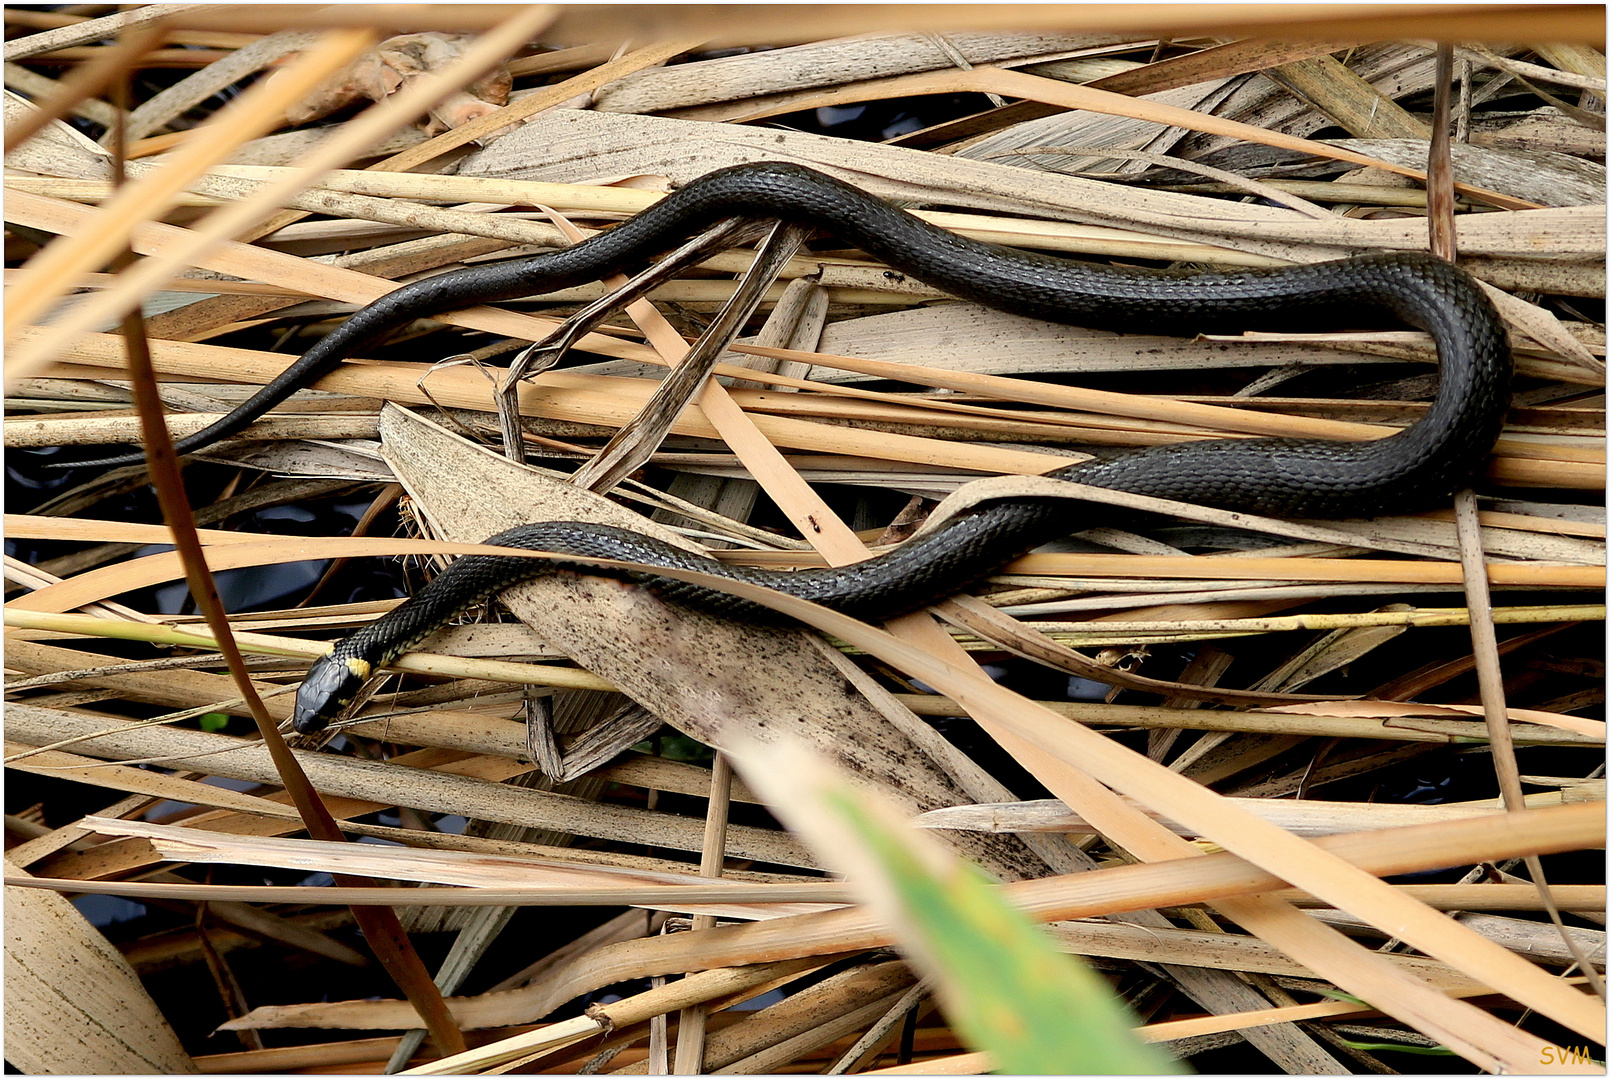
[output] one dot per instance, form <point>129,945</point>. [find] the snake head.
<point>331,684</point>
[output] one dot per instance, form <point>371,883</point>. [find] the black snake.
<point>1296,477</point>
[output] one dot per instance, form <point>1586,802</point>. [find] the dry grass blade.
<point>792,494</point>
<point>122,1028</point>
<point>691,1057</point>
<point>84,82</point>
<point>1159,789</point>
<point>602,75</point>
<point>1485,647</point>
<point>164,108</point>
<point>1019,84</point>
<point>443,473</point>
<point>108,26</point>
<point>695,989</point>
<point>1189,880</point>
<point>429,789</point>
<point>775,24</point>
<point>52,274</point>
<point>635,442</point>
<point>595,399</point>
<point>1240,832</point>
<point>743,901</point>
<point>1298,685</point>
<point>380,925</point>
<point>376,123</point>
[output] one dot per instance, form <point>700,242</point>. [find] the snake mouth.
<point>330,686</point>
<point>308,723</point>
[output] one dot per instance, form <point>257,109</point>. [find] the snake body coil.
<point>1294,477</point>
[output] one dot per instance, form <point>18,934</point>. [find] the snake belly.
<point>1294,477</point>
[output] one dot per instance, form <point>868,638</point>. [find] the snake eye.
<point>329,686</point>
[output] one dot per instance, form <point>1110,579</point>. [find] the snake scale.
<point>1296,477</point>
